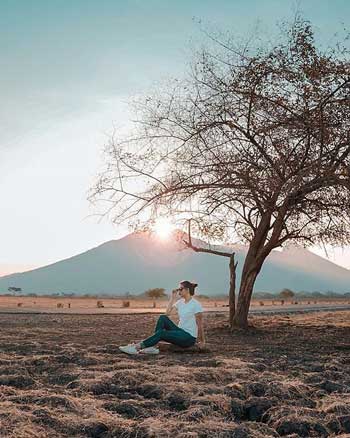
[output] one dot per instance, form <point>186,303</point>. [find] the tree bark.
<point>232,294</point>
<point>245,293</point>
<point>251,268</point>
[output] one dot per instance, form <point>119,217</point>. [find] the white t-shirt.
<point>186,313</point>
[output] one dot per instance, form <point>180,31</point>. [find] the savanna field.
<point>63,376</point>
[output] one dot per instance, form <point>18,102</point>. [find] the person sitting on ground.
<point>189,331</point>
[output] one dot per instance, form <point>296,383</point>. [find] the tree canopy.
<point>158,292</point>
<point>286,293</point>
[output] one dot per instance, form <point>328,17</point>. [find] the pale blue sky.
<point>67,71</point>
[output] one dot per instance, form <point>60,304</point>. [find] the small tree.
<point>254,144</point>
<point>155,293</point>
<point>317,294</point>
<point>14,290</point>
<point>286,294</point>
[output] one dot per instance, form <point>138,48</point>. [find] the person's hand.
<point>174,294</point>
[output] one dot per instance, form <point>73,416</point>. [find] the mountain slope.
<point>138,262</point>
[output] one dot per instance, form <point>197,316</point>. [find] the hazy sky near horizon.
<point>68,70</point>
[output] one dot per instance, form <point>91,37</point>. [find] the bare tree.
<point>254,143</point>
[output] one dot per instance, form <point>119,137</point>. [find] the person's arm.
<point>172,301</point>
<point>199,320</point>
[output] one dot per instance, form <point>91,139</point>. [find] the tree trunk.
<point>232,294</point>
<point>251,269</point>
<point>245,293</point>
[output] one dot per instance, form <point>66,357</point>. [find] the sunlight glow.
<point>163,228</point>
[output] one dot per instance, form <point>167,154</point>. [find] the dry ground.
<point>115,305</point>
<point>63,376</point>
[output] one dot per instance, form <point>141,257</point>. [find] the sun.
<point>163,228</point>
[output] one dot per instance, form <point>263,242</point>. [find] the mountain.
<point>140,261</point>
<point>6,268</point>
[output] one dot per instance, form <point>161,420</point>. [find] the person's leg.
<point>165,323</point>
<point>177,337</point>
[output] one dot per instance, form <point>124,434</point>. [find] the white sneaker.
<point>150,350</point>
<point>129,349</point>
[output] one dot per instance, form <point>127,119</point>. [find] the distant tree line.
<point>288,293</point>
<point>159,292</point>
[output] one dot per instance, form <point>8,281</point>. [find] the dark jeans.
<point>168,331</point>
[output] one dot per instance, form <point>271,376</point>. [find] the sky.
<point>68,71</point>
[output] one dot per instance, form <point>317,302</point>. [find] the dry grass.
<point>63,376</point>
<point>116,305</point>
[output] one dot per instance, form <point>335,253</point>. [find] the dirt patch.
<point>65,377</point>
